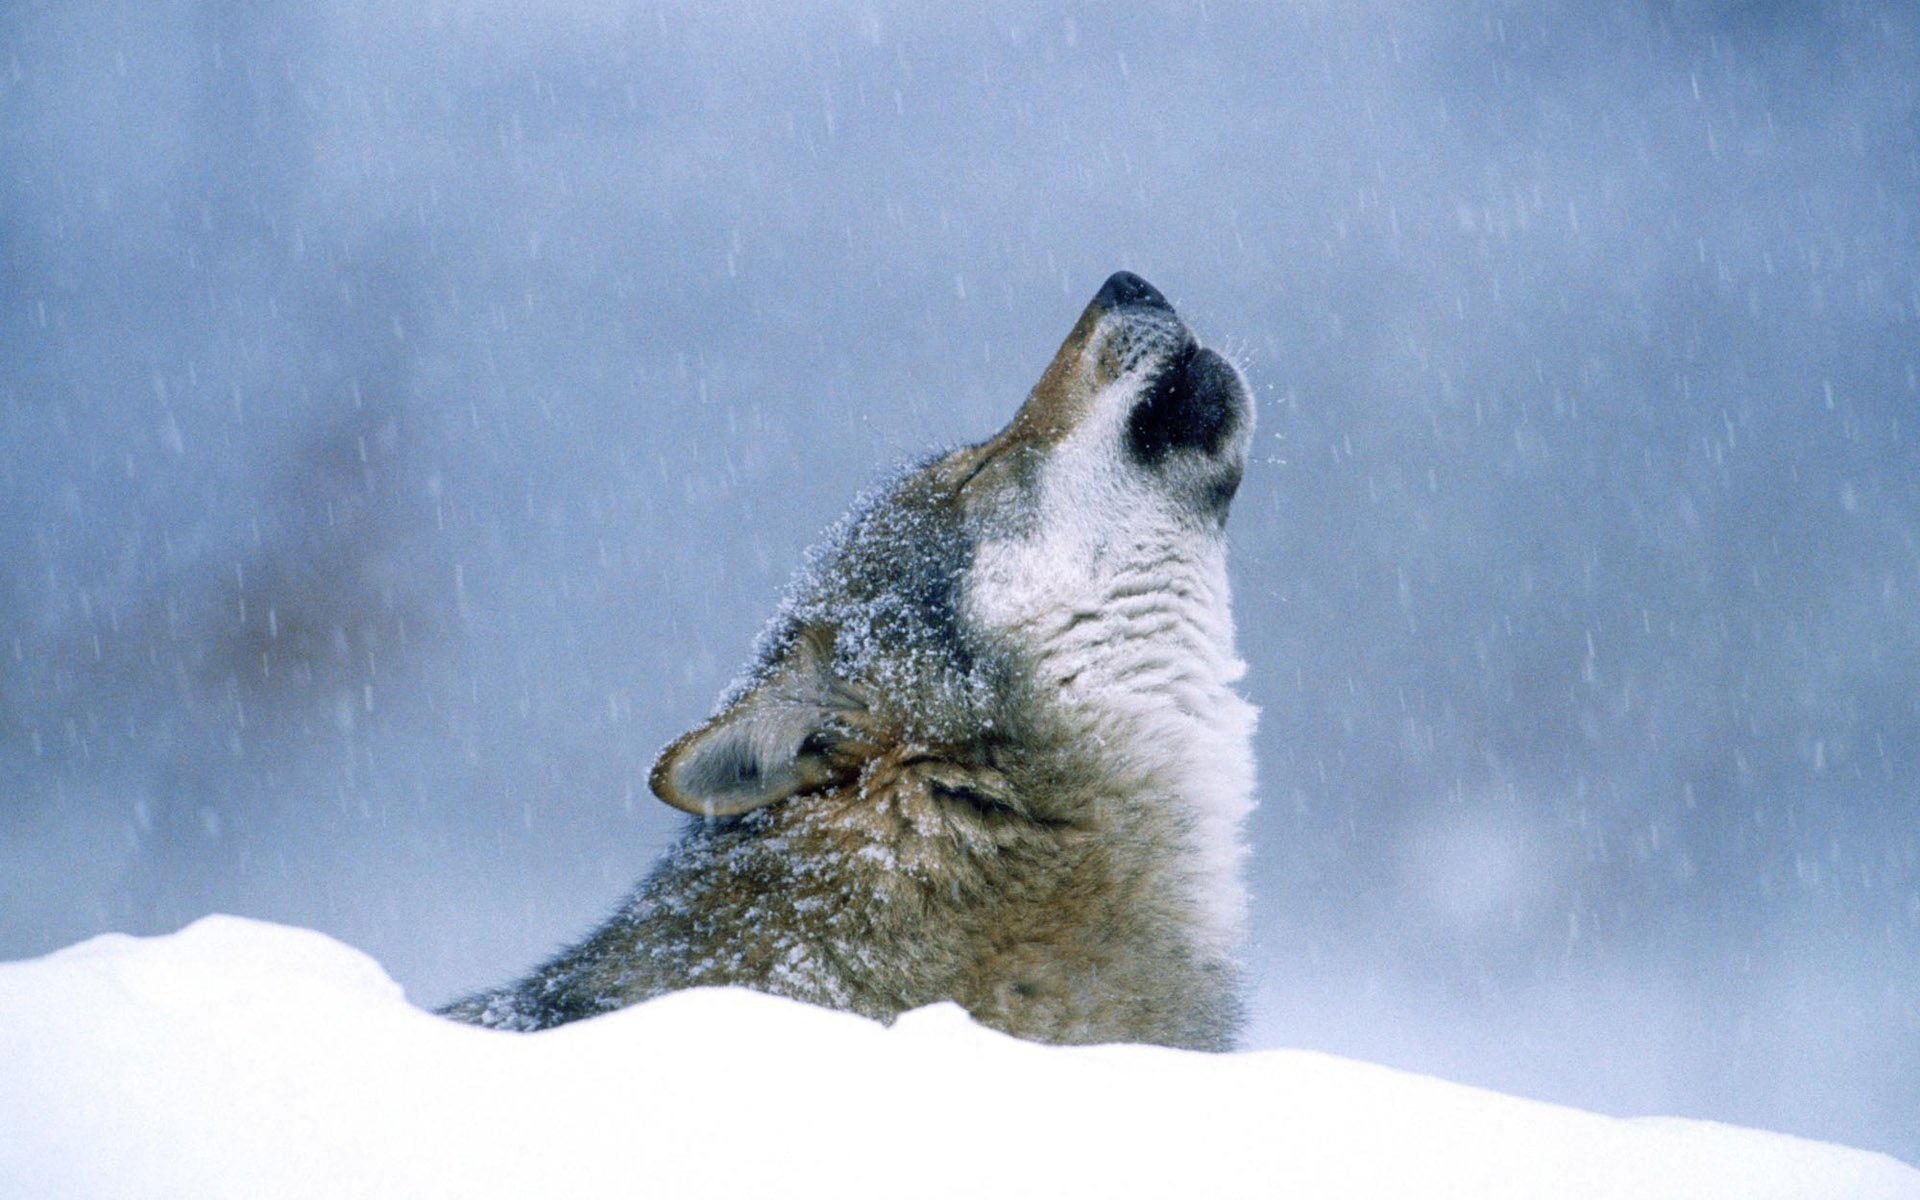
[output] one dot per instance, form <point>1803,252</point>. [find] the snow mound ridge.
<point>242,1059</point>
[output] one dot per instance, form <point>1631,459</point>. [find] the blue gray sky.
<point>408,414</point>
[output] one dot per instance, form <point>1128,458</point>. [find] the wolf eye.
<point>980,802</point>
<point>819,743</point>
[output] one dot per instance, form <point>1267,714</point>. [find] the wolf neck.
<point>1138,639</point>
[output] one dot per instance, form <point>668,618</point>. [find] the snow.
<point>244,1059</point>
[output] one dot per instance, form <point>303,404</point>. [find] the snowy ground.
<point>242,1059</point>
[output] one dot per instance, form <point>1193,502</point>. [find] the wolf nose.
<point>1124,289</point>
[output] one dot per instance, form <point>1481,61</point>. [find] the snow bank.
<point>242,1059</point>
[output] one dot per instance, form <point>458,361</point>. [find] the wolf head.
<point>1026,635</point>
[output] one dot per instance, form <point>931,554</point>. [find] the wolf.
<point>988,749</point>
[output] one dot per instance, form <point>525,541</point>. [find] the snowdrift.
<point>242,1059</point>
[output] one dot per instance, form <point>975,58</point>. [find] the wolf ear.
<point>789,735</point>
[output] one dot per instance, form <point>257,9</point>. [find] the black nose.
<point>1124,289</point>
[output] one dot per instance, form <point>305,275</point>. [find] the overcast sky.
<point>409,413</point>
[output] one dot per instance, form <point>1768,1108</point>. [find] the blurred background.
<point>408,414</point>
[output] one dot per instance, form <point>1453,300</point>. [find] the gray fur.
<point>899,804</point>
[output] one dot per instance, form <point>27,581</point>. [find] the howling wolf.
<point>988,750</point>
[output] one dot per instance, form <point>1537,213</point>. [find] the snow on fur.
<point>241,1059</point>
